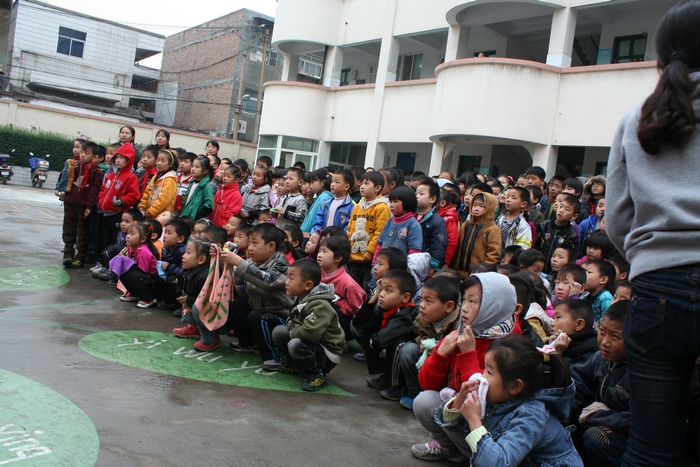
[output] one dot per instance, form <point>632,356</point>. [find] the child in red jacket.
<point>447,209</point>
<point>227,199</point>
<point>488,305</point>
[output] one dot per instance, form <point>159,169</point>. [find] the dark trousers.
<point>254,327</point>
<point>96,243</point>
<point>361,272</point>
<point>603,449</point>
<point>110,229</point>
<point>166,289</point>
<point>139,284</point>
<point>377,365</point>
<point>76,227</point>
<point>308,358</point>
<point>344,321</point>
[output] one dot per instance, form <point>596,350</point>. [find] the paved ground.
<point>73,391</point>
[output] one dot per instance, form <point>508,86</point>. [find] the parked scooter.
<point>5,169</point>
<point>40,170</point>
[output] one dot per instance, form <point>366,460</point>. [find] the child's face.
<point>478,207</point>
<point>109,155</point>
<point>597,188</point>
<point>559,258</point>
<point>231,226</point>
<point>170,237</point>
<point>339,187</point>
<point>497,392</point>
<point>326,259</point>
<point>317,186</point>
<point>258,250</point>
<point>126,221</point>
<point>296,285</point>
<point>292,182</point>
<point>311,244</point>
<point>164,217</point>
<point>622,293</point>
<point>610,340</point>
<point>505,181</point>
<point>594,254</point>
<point>197,171</point>
<point>86,156</point>
<point>148,160</point>
<point>305,189</point>
<point>471,302</point>
<point>133,238</point>
<point>227,177</point>
<point>554,188</point>
<point>537,267</point>
<point>432,309</point>
<point>190,259</point>
<point>425,201</point>
<point>125,135</point>
<point>390,296</point>
<point>162,162</point>
<point>594,281</point>
<point>570,191</point>
<point>258,177</point>
<point>396,207</point>
<point>522,181</point>
<point>496,191</point>
<point>468,196</point>
<point>513,202</point>
<point>387,186</point>
<point>601,225</point>
<point>600,208</point>
<point>294,243</point>
<point>185,166</point>
<point>368,190</point>
<point>562,287</point>
<point>263,218</point>
<point>77,147</point>
<point>562,321</point>
<point>241,241</point>
<point>381,266</point>
<point>532,179</point>
<point>120,161</point>
<point>197,231</point>
<point>565,212</point>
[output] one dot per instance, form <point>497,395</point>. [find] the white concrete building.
<point>402,85</point>
<point>66,55</point>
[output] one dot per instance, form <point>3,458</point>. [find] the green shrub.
<point>59,147</point>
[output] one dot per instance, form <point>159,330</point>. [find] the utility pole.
<point>258,110</point>
<point>239,104</point>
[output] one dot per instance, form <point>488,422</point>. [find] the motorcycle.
<point>5,169</point>
<point>40,170</point>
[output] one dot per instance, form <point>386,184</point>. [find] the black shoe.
<point>178,312</point>
<point>377,382</point>
<point>75,264</point>
<point>393,393</point>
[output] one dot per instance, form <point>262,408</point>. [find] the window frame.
<point>631,57</point>
<point>74,39</point>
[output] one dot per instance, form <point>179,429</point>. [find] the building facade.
<point>63,56</point>
<point>201,74</point>
<point>468,85</point>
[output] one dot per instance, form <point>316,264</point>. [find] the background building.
<point>201,74</point>
<point>401,83</point>
<point>66,59</point>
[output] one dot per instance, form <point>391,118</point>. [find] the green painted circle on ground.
<point>168,354</point>
<point>33,277</point>
<point>40,427</point>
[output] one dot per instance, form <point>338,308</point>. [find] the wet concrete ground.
<point>149,418</point>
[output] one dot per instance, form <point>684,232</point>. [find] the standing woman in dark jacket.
<point>659,234</point>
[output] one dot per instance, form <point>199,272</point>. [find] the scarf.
<point>83,176</point>
<point>499,330</point>
<point>404,218</point>
<point>71,174</point>
<point>386,316</point>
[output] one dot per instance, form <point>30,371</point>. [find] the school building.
<point>486,85</point>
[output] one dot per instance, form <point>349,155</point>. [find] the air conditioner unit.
<point>242,126</point>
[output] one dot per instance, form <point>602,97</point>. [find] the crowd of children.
<point>492,309</point>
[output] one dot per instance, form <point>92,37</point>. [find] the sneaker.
<point>377,382</point>
<point>406,402</point>
<point>107,275</point>
<point>236,347</point>
<point>360,357</point>
<point>287,369</point>
<point>128,298</point>
<point>178,312</point>
<point>75,264</point>
<point>96,268</point>
<point>147,303</point>
<point>202,347</point>
<point>271,365</point>
<point>393,393</point>
<point>168,306</point>
<point>433,451</point>
<point>189,331</point>
<point>67,261</point>
<point>314,384</point>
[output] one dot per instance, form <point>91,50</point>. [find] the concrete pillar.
<point>457,42</point>
<point>324,154</point>
<point>291,67</point>
<point>561,38</point>
<point>546,157</point>
<point>436,159</point>
<point>332,66</point>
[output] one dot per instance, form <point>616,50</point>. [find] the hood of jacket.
<point>448,212</point>
<point>589,183</point>
<point>364,204</point>
<point>324,291</point>
<point>558,401</point>
<point>128,151</point>
<point>489,214</point>
<point>419,267</point>
<point>498,301</point>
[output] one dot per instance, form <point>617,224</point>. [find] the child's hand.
<point>213,249</point>
<point>576,289</point>
<point>231,258</point>
<point>466,341</point>
<point>561,343</point>
<point>279,210</point>
<point>87,212</point>
<point>449,344</point>
<point>471,410</point>
<point>243,213</point>
<point>164,265</point>
<point>464,390</point>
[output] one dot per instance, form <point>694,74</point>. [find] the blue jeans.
<point>603,449</point>
<point>308,358</point>
<point>662,340</point>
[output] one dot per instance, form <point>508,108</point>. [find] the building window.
<point>409,67</point>
<point>144,83</point>
<point>346,155</point>
<point>629,48</point>
<point>272,58</point>
<point>71,42</point>
<point>310,65</point>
